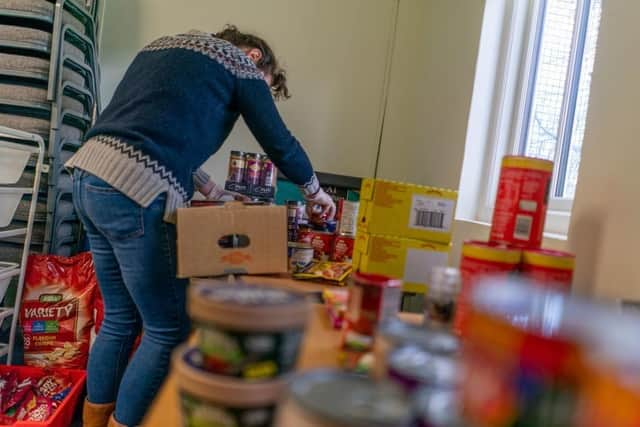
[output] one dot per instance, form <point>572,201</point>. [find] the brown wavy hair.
<point>268,64</point>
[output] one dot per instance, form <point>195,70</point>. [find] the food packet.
<point>325,270</point>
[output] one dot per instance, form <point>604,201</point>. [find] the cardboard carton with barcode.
<point>406,210</point>
<point>409,259</point>
<point>233,238</point>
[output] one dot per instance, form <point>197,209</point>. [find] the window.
<point>535,63</point>
<point>556,107</point>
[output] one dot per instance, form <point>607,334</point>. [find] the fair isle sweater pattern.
<point>221,51</point>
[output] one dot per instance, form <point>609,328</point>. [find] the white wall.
<point>336,53</point>
<point>605,230</point>
<point>430,91</point>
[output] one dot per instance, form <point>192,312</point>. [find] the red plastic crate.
<point>63,415</point>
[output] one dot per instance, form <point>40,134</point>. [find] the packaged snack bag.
<point>57,310</point>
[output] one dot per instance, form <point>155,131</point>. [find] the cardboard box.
<point>201,229</point>
<point>409,259</point>
<point>406,210</point>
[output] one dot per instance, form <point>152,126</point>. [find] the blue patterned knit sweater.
<point>174,108</point>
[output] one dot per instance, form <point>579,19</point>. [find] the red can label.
<point>322,243</point>
<point>521,206</point>
<point>471,270</point>
<point>342,249</point>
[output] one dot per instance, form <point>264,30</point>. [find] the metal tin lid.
<point>244,307</point>
<point>550,259</point>
<point>413,362</point>
<point>349,400</point>
<point>434,341</point>
<point>238,153</point>
<point>254,156</point>
<point>200,383</point>
<point>437,407</point>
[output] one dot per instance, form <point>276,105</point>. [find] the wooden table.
<point>319,350</point>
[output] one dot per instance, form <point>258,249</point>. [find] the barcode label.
<point>523,227</point>
<point>429,213</point>
<point>429,219</point>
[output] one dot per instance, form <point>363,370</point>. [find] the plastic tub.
<point>9,200</point>
<point>214,400</point>
<point>63,415</point>
<point>13,161</point>
<point>249,332</point>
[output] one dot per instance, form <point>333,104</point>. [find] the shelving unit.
<point>21,142</point>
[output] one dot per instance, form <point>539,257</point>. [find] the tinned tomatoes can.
<point>479,260</point>
<point>521,202</point>
<point>549,268</point>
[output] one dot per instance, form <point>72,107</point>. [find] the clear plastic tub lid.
<point>435,341</point>
<point>351,400</point>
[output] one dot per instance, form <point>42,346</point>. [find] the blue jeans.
<point>134,252</point>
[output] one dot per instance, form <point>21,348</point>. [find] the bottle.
<point>441,297</point>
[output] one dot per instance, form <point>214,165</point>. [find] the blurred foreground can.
<point>479,260</point>
<point>521,202</point>
<point>549,268</point>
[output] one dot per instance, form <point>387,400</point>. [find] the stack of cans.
<point>251,174</point>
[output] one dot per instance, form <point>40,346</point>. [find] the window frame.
<point>513,99</point>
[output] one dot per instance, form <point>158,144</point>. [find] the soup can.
<point>521,202</point>
<point>549,268</point>
<point>253,174</point>
<point>237,167</point>
<point>268,177</point>
<point>347,217</point>
<point>479,260</point>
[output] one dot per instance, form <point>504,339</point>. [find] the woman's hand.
<point>320,206</point>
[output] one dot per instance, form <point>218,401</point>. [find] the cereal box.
<point>406,210</point>
<point>409,259</point>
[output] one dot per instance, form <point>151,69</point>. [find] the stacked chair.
<point>19,151</point>
<point>49,87</point>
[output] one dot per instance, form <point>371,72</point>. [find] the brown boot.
<point>114,423</point>
<point>96,414</point>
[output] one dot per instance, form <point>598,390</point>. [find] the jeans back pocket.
<point>114,214</point>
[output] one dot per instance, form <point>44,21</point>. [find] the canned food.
<point>373,299</point>
<point>322,243</point>
<point>479,260</point>
<point>412,367</point>
<point>521,202</point>
<point>301,256</point>
<point>269,175</point>
<point>248,332</point>
<point>396,333</point>
<point>522,340</point>
<point>342,249</point>
<point>550,268</point>
<point>347,217</point>
<point>437,407</point>
<point>295,213</point>
<point>326,398</point>
<point>253,173</point>
<point>237,167</point>
<point>213,400</point>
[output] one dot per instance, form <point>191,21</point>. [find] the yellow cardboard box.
<point>406,210</point>
<point>409,259</point>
